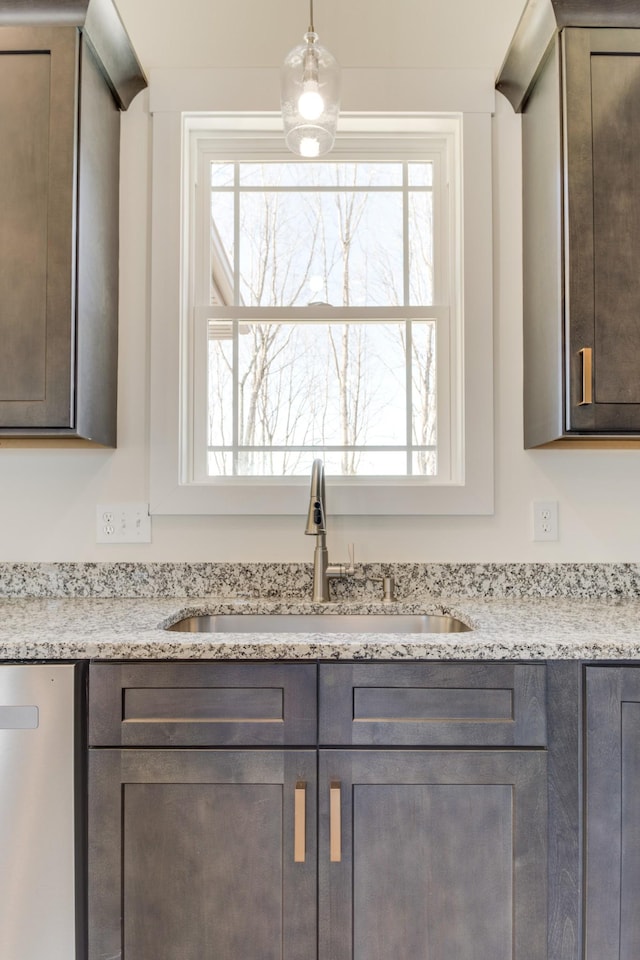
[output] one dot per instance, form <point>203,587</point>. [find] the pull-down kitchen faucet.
<point>317,527</point>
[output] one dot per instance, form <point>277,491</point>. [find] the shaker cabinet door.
<point>432,854</point>
<point>612,828</point>
<point>38,118</point>
<point>602,90</point>
<point>202,853</point>
<point>581,231</point>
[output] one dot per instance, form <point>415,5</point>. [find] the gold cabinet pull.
<point>299,822</point>
<point>587,376</point>
<point>335,823</point>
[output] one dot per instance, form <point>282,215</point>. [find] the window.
<point>337,308</point>
<point>321,304</point>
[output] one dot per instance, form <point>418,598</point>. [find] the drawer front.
<point>433,704</point>
<point>202,704</point>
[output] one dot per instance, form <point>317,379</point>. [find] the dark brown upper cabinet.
<point>573,70</point>
<point>66,72</point>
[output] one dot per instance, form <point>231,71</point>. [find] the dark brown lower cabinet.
<point>192,854</point>
<point>314,848</point>
<point>432,855</point>
<point>422,854</point>
<point>612,819</point>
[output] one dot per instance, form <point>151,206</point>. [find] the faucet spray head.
<point>316,522</point>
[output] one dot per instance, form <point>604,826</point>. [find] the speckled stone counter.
<point>515,611</point>
<point>293,580</point>
<point>133,628</point>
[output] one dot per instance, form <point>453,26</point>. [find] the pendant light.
<point>310,96</point>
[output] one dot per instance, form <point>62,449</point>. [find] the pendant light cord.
<point>311,28</point>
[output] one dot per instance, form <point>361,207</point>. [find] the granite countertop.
<point>503,628</point>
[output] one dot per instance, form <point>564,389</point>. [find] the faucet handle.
<point>351,550</point>
<point>388,587</point>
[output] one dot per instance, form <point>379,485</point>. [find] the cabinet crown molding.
<point>540,22</point>
<point>101,26</point>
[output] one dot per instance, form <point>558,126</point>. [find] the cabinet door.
<point>431,855</point>
<point>433,704</point>
<point>195,704</point>
<point>38,118</point>
<point>202,853</point>
<point>612,825</point>
<point>602,94</point>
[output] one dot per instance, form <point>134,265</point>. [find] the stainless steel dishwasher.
<point>38,812</point>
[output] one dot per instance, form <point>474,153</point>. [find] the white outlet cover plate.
<point>545,519</point>
<point>123,523</point>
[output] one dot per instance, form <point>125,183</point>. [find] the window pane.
<point>315,384</point>
<point>420,174</point>
<point>220,390</point>
<point>222,247</point>
<point>423,394</point>
<point>310,385</point>
<point>424,463</point>
<point>420,248</point>
<point>274,463</point>
<point>341,248</point>
<point>222,174</point>
<point>376,463</point>
<point>292,463</point>
<point>219,464</point>
<point>320,174</point>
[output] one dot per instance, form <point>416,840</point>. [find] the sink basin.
<point>320,623</point>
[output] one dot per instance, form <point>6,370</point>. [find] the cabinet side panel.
<point>630,829</point>
<point>603,841</point>
<point>564,799</point>
<point>98,223</point>
<point>542,257</point>
<point>615,91</point>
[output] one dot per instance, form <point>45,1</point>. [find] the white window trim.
<point>168,420</point>
<point>214,138</point>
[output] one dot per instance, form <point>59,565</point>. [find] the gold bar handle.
<point>587,376</point>
<point>299,822</point>
<point>335,823</point>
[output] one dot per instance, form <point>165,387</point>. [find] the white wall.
<point>48,497</point>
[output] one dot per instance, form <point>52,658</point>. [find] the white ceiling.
<point>360,33</point>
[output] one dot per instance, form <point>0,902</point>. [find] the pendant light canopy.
<point>310,96</point>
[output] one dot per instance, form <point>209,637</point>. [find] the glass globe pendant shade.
<point>310,98</point>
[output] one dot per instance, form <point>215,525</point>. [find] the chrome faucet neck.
<point>317,527</point>
<point>316,517</point>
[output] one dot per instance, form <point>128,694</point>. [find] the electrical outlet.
<point>123,523</point>
<point>545,520</point>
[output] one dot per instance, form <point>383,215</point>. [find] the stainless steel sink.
<point>320,623</point>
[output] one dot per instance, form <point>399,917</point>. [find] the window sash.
<point>199,367</point>
<point>434,150</point>
<point>194,463</point>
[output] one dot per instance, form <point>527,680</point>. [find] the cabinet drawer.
<point>437,704</point>
<point>202,704</point>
